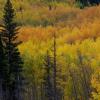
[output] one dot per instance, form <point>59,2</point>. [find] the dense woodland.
<point>49,50</point>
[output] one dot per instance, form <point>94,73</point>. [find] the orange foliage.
<point>68,34</point>
<point>37,33</point>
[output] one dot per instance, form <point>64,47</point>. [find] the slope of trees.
<point>62,12</point>
<point>60,61</point>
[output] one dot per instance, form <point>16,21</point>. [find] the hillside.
<point>60,49</point>
<point>73,23</point>
<point>76,23</point>
<point>30,12</point>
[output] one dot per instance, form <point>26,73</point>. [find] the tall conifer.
<point>14,61</point>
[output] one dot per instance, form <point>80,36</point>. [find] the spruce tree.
<point>84,3</point>
<point>12,54</point>
<point>1,59</point>
<point>48,78</point>
<point>55,67</point>
<point>2,68</point>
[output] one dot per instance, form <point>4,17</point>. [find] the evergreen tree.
<point>83,3</point>
<point>48,78</point>
<point>4,77</point>
<point>2,68</point>
<point>1,59</point>
<point>14,61</point>
<point>55,68</point>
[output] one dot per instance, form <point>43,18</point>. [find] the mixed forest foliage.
<point>60,49</point>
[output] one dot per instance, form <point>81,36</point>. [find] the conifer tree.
<point>55,68</point>
<point>48,78</point>
<point>4,77</point>
<point>1,59</point>
<point>14,61</point>
<point>2,68</point>
<point>84,3</point>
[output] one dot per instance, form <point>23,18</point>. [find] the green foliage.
<point>14,63</point>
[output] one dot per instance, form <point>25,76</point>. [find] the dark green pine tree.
<point>3,70</point>
<point>84,3</point>
<point>48,78</point>
<point>1,59</point>
<point>4,77</point>
<point>14,61</point>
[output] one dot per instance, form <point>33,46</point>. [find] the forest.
<point>49,50</point>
